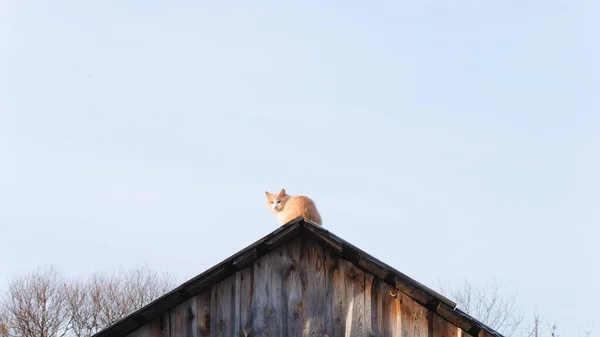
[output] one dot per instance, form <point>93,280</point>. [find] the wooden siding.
<point>300,289</point>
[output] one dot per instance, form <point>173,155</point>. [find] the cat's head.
<point>276,201</point>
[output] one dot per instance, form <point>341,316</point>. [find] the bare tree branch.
<point>44,304</point>
<point>35,305</point>
<point>497,311</point>
<point>488,305</point>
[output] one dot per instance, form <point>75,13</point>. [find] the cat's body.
<point>287,207</point>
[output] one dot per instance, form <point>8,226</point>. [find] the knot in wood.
<point>319,263</point>
<point>351,273</point>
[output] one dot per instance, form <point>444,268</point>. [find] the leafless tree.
<point>35,305</point>
<point>551,330</point>
<point>488,305</point>
<point>3,325</point>
<point>498,311</point>
<point>110,296</point>
<point>45,304</point>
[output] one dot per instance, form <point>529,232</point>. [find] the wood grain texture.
<point>293,291</point>
<point>414,317</point>
<point>165,324</point>
<point>203,309</point>
<point>177,321</point>
<point>443,328</point>
<point>453,317</point>
<point>382,308</point>
<point>268,305</point>
<point>189,318</point>
<point>244,284</point>
<point>348,299</point>
<point>222,305</point>
<point>316,295</point>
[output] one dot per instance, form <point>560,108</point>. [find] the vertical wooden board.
<point>293,291</point>
<point>316,296</point>
<point>177,321</point>
<point>348,299</point>
<point>155,328</point>
<point>222,305</point>
<point>189,311</point>
<point>165,324</point>
<point>269,304</point>
<point>383,303</point>
<point>414,317</point>
<point>203,313</point>
<point>244,285</point>
<point>370,315</point>
<point>443,328</point>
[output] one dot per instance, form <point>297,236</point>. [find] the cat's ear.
<point>267,194</point>
<point>282,192</point>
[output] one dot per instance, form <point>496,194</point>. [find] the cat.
<point>287,207</point>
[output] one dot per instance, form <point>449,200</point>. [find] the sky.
<point>453,141</point>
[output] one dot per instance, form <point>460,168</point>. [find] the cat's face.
<point>276,201</point>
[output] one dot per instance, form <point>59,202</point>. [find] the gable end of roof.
<point>293,229</point>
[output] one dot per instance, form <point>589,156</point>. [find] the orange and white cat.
<point>287,207</point>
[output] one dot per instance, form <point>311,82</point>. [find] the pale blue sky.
<point>449,140</point>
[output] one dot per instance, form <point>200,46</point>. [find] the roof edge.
<point>295,228</point>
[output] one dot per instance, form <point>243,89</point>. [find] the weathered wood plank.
<point>348,299</point>
<point>190,327</point>
<point>222,305</point>
<point>155,328</point>
<point>414,316</point>
<point>453,317</point>
<point>324,238</point>
<point>412,290</point>
<point>316,298</point>
<point>383,305</point>
<point>269,304</point>
<point>244,285</point>
<point>293,291</point>
<point>370,314</point>
<point>443,328</point>
<point>175,322</point>
<point>203,308</point>
<point>177,315</point>
<point>165,324</point>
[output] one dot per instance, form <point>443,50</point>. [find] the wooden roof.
<point>296,228</point>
